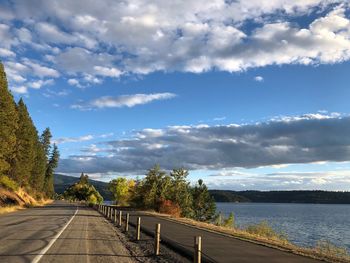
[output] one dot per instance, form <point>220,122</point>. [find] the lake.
<point>304,224</point>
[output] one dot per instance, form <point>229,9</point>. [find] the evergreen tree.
<point>25,147</point>
<point>8,124</point>
<point>203,204</point>
<point>39,168</point>
<point>52,164</point>
<point>181,191</point>
<point>45,140</point>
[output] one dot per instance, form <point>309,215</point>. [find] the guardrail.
<point>116,216</point>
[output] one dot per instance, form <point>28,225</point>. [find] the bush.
<point>263,229</point>
<point>8,183</point>
<point>168,207</point>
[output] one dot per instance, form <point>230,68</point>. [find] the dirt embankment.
<point>14,200</point>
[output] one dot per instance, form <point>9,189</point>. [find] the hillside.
<point>62,182</point>
<point>316,197</point>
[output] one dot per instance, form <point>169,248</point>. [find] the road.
<point>31,235</point>
<point>217,247</point>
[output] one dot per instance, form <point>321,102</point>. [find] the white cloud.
<point>107,72</point>
<point>123,101</point>
<point>73,139</point>
<point>39,83</point>
<point>258,78</point>
<point>110,39</point>
<point>6,53</point>
<point>19,89</point>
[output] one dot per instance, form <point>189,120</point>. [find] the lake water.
<point>304,224</point>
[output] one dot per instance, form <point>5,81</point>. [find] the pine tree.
<point>52,164</point>
<point>45,140</point>
<point>203,204</point>
<point>38,173</point>
<point>22,164</point>
<point>8,124</point>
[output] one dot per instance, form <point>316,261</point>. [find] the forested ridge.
<point>297,196</point>
<point>27,158</point>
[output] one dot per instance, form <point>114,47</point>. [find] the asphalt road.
<point>216,247</point>
<point>31,235</point>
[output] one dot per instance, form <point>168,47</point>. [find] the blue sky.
<point>245,94</point>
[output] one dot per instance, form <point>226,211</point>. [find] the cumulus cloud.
<point>306,139</point>
<point>112,39</point>
<point>123,101</point>
<point>73,139</point>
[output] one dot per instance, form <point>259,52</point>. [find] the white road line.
<point>53,240</point>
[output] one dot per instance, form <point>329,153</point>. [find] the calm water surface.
<point>304,224</point>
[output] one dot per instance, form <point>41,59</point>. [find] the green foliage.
<point>26,135</point>
<point>122,190</point>
<point>52,164</point>
<point>8,124</point>
<point>203,204</point>
<point>37,178</point>
<point>160,191</point>
<point>83,191</point>
<point>154,188</point>
<point>181,191</point>
<point>7,183</point>
<point>263,229</point>
<point>25,158</point>
<point>221,220</point>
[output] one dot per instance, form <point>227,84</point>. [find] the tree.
<point>52,164</point>
<point>84,179</point>
<point>121,189</point>
<point>203,204</point>
<point>39,168</point>
<point>45,140</point>
<point>26,135</point>
<point>155,188</point>
<point>181,191</point>
<point>83,191</point>
<point>8,124</point>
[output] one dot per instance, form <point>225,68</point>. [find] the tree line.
<point>166,193</point>
<point>27,159</point>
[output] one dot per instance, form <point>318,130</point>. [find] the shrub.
<point>263,229</point>
<point>8,183</point>
<point>168,207</point>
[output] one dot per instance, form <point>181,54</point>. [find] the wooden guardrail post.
<point>157,240</point>
<point>115,215</point>
<point>197,249</point>
<point>127,222</point>
<point>120,218</point>
<point>138,228</point>
<point>111,215</point>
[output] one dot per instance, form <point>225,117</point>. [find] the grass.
<point>11,201</point>
<point>263,234</point>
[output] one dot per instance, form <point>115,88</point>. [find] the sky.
<point>247,95</point>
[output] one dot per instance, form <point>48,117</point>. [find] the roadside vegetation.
<point>83,191</point>
<point>166,193</point>
<point>171,195</point>
<point>27,159</point>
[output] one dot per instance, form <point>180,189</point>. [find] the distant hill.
<point>62,182</point>
<point>315,197</point>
